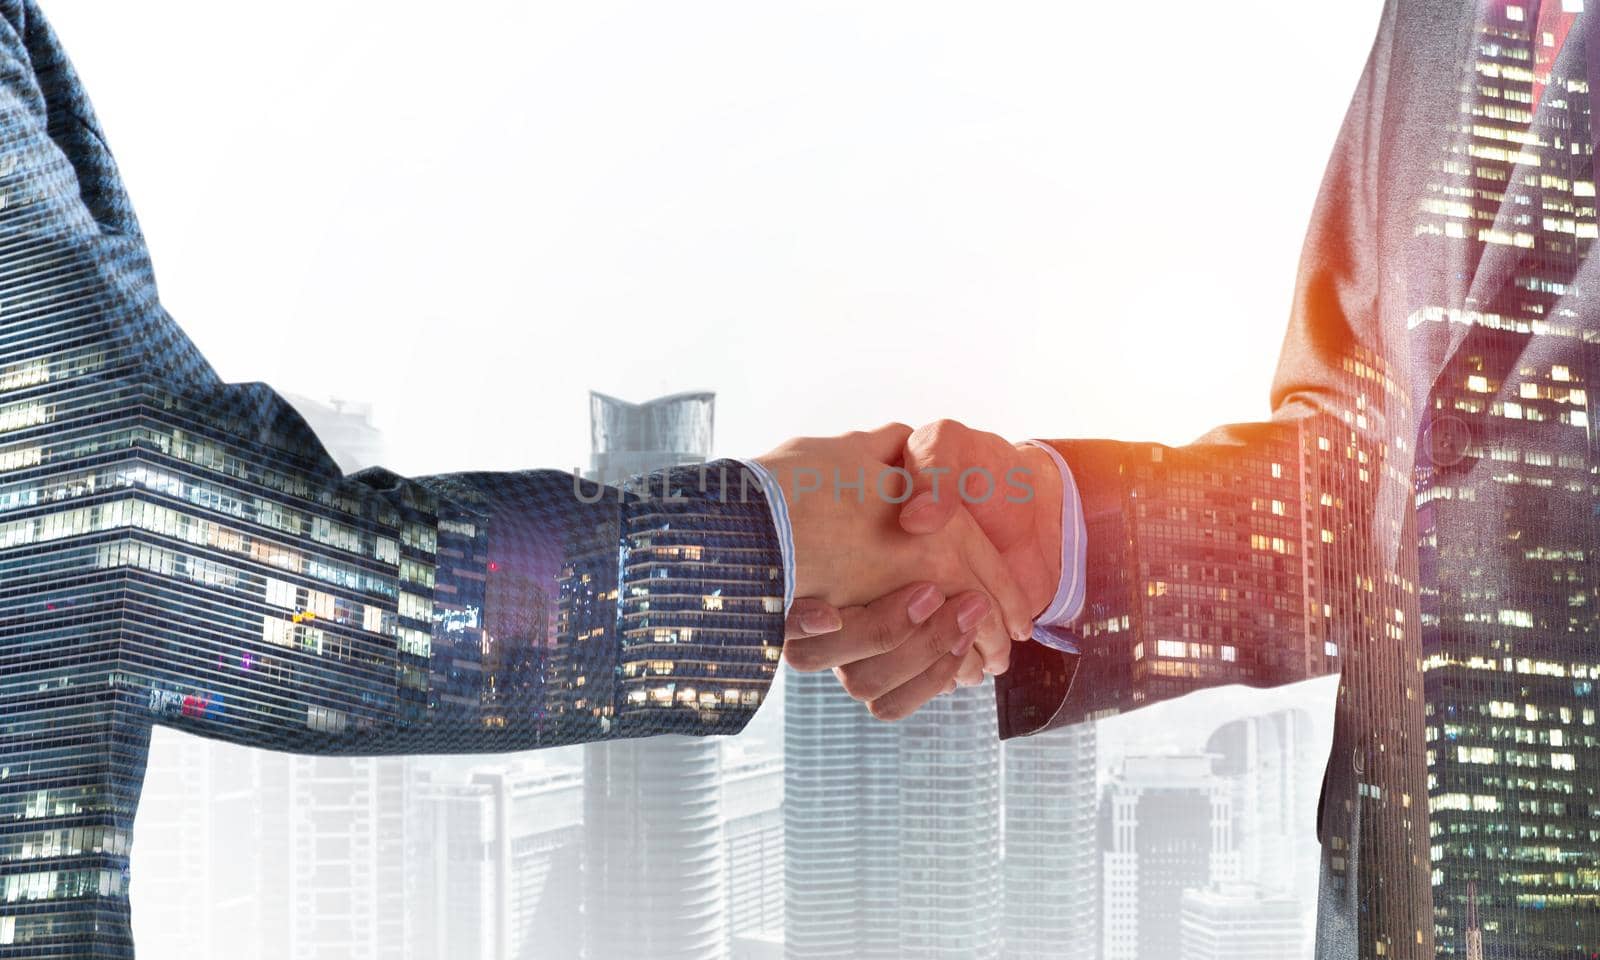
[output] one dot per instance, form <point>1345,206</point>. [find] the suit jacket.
<point>179,550</point>
<point>1419,513</point>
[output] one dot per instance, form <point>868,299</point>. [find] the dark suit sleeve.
<point>245,589</point>
<point>1262,553</point>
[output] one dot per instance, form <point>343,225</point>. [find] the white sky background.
<point>1043,218</point>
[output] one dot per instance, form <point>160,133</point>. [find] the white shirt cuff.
<point>1050,627</point>
<point>779,507</point>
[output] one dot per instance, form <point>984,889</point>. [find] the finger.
<point>911,696</point>
<point>933,456</point>
<point>867,631</point>
<point>809,617</point>
<point>886,443</point>
<point>971,672</point>
<point>940,636</point>
<point>1012,616</point>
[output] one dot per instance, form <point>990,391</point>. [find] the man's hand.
<point>844,495</point>
<point>897,652</point>
<point>1012,491</point>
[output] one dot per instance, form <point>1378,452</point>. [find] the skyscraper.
<point>167,557</point>
<point>1052,859</point>
<point>1166,826</point>
<point>1264,570</point>
<point>251,828</point>
<point>752,803</point>
<point>1239,921</point>
<point>500,859</point>
<point>1273,772</point>
<point>914,869</point>
<point>655,877</point>
<point>1506,497</point>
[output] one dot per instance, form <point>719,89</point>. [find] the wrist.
<point>1045,521</point>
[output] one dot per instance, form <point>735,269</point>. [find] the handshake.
<point>920,556</point>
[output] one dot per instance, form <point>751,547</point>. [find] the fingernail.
<point>923,602</point>
<point>964,643</point>
<point>972,609</point>
<point>820,621</point>
<point>950,687</point>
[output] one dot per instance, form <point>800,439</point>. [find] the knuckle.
<point>883,637</point>
<point>858,686</point>
<point>943,431</point>
<point>801,658</point>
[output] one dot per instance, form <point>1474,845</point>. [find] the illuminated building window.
<point>1516,618</point>
<point>19,415</point>
<point>17,458</point>
<point>280,593</point>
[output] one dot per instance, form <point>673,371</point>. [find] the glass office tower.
<point>683,650</point>
<point>166,559</point>
<point>177,550</point>
<point>1506,497</point>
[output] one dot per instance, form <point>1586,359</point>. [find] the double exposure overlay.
<point>182,551</point>
<point>1419,517</point>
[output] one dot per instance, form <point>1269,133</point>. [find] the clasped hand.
<point>920,556</point>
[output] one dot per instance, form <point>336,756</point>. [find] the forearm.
<point>1229,560</point>
<point>566,612</point>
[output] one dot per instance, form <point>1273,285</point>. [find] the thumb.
<point>933,456</point>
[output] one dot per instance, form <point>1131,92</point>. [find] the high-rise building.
<point>166,557</point>
<point>1051,866</point>
<point>752,804</point>
<point>1273,772</point>
<point>1266,563</point>
<point>1506,496</point>
<point>499,861</point>
<point>914,869</point>
<point>345,844</point>
<point>1166,826</point>
<point>655,875</point>
<point>1239,921</point>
